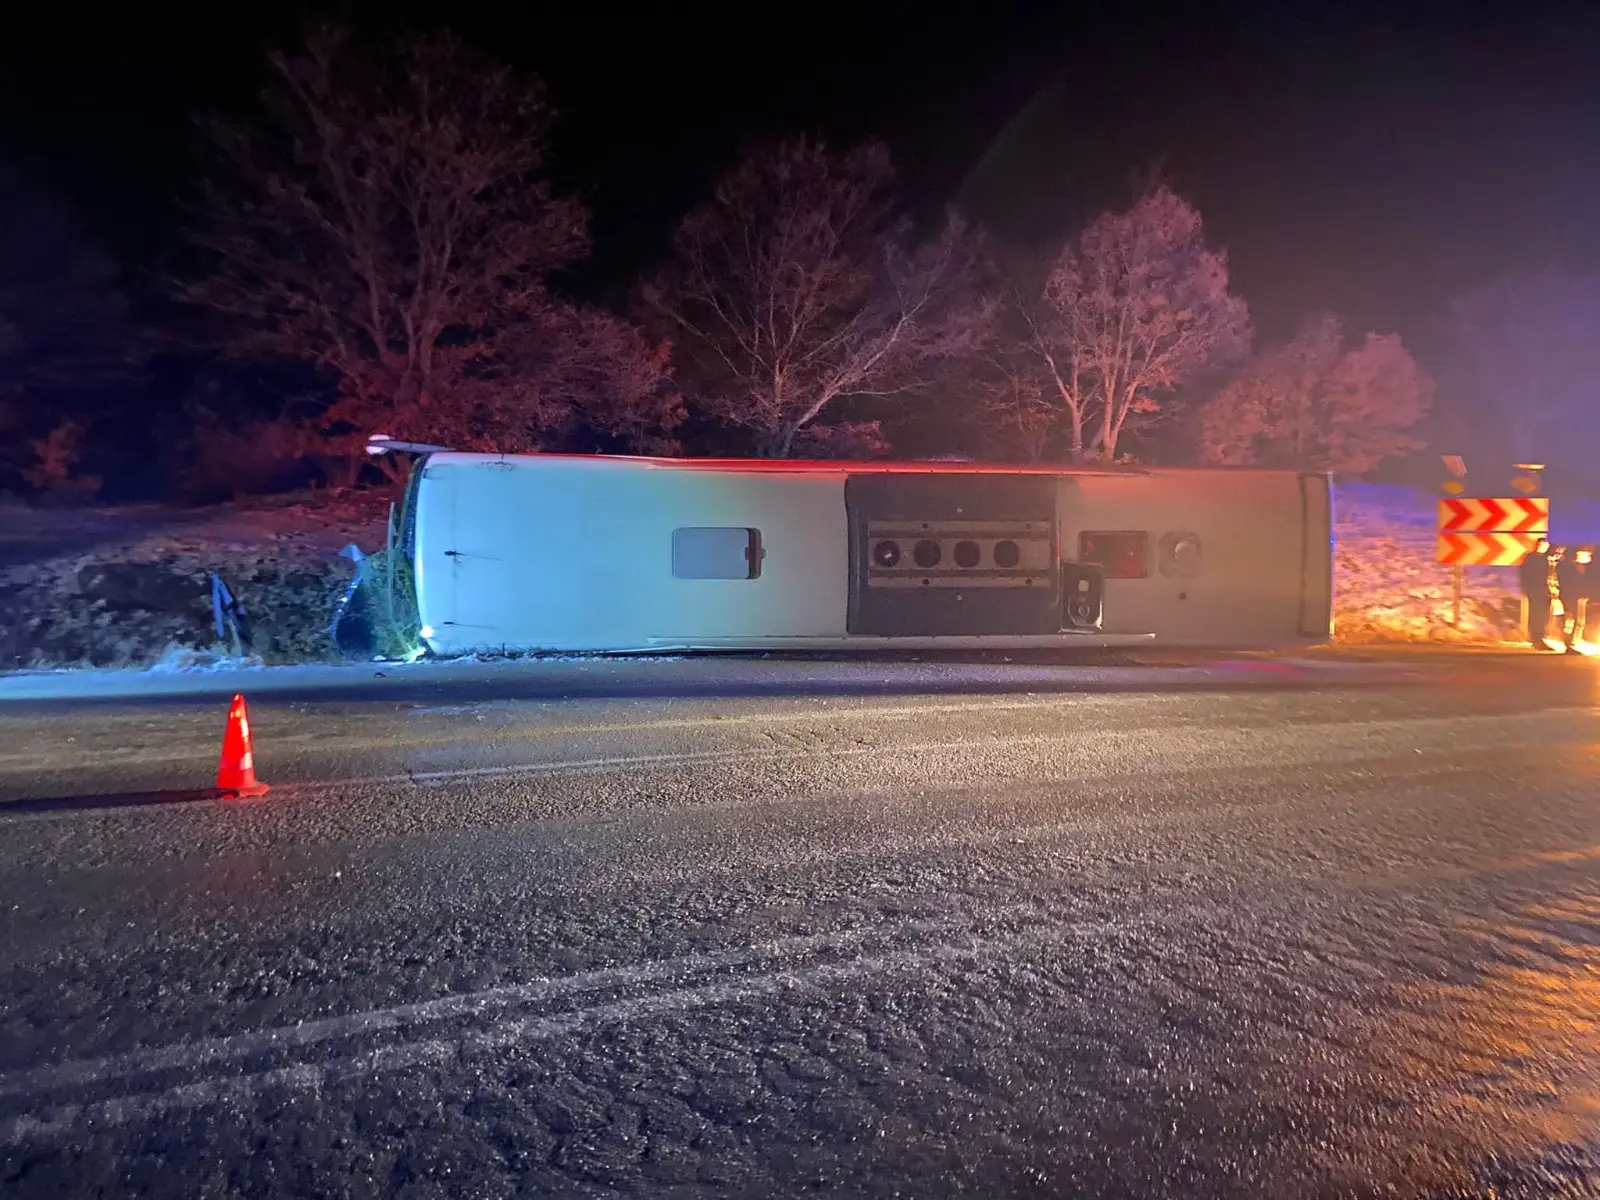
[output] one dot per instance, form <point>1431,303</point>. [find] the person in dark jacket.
<point>1591,595</point>
<point>1534,573</point>
<point>1582,602</point>
<point>1572,588</point>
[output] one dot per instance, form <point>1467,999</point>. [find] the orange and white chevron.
<point>1482,549</point>
<point>1511,514</point>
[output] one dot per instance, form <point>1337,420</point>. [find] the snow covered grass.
<point>185,660</point>
<point>1389,588</point>
<point>130,587</point>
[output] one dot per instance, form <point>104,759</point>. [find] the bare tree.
<point>1003,404</point>
<point>1022,419</point>
<point>1316,403</point>
<point>388,222</point>
<point>855,441</point>
<point>1135,307</point>
<point>798,284</point>
<point>1525,361</point>
<point>576,375</point>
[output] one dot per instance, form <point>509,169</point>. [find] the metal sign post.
<point>1488,531</point>
<point>1528,481</point>
<point>1457,468</point>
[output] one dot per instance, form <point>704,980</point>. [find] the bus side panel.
<point>576,555</point>
<point>1316,587</point>
<point>1243,587</point>
<point>632,593</point>
<point>487,532</point>
<point>433,532</point>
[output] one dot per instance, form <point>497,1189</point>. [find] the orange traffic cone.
<point>236,775</point>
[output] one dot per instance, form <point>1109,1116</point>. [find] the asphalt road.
<point>1241,928</point>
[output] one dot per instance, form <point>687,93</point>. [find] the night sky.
<point>1372,163</point>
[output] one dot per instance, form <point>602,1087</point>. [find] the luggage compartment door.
<point>948,555</point>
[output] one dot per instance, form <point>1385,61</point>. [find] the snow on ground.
<point>130,587</point>
<point>1389,588</point>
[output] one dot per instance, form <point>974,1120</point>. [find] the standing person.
<point>1589,580</point>
<point>1572,582</point>
<point>1534,573</point>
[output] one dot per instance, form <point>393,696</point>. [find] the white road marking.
<point>190,1055</point>
<point>29,758</point>
<point>1342,737</point>
<point>70,1119</point>
<point>832,709</point>
<point>1311,743</point>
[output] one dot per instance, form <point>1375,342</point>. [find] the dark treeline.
<point>378,247</point>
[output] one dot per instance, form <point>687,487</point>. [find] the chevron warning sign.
<point>1514,514</point>
<point>1486,549</point>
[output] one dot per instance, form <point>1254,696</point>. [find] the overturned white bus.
<point>589,553</point>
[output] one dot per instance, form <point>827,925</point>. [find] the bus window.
<point>713,552</point>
